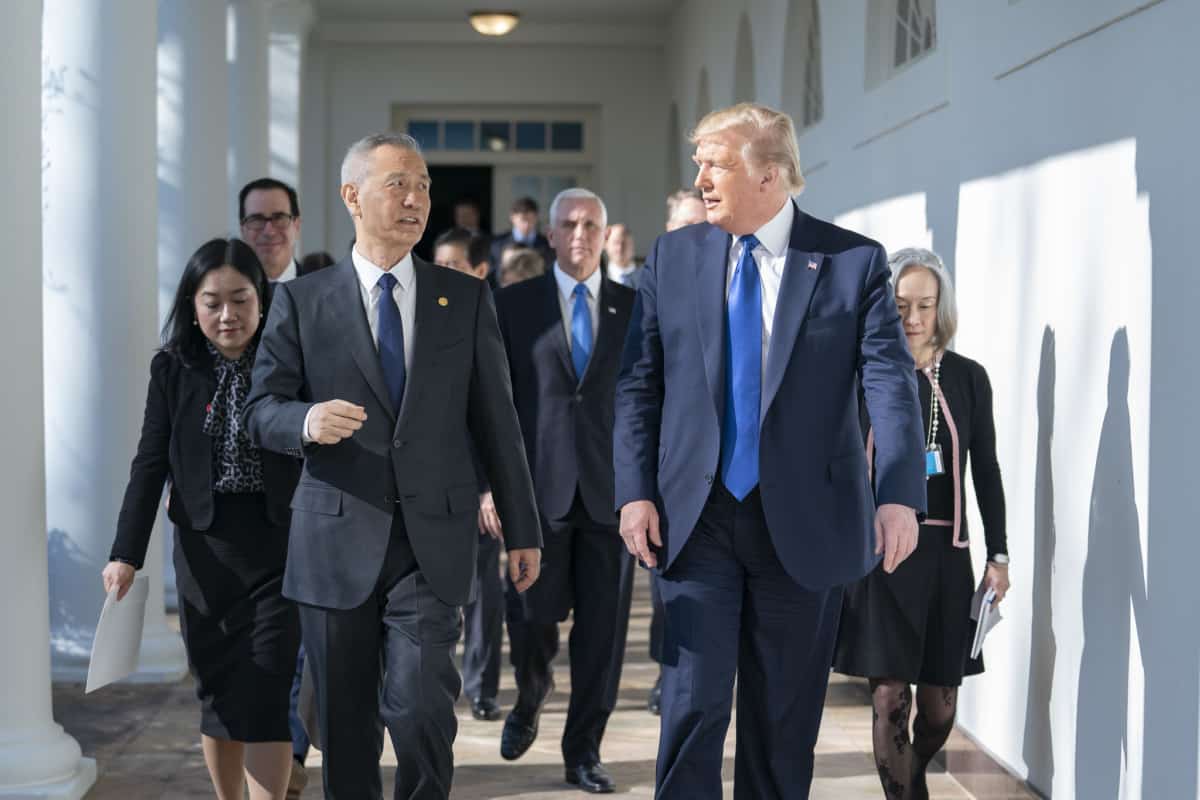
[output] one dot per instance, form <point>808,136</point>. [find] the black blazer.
<point>174,447</point>
<point>567,426</point>
<point>417,459</point>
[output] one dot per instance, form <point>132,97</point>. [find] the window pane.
<point>425,132</point>
<point>901,45</point>
<point>566,136</point>
<point>494,136</point>
<point>531,136</point>
<point>460,135</point>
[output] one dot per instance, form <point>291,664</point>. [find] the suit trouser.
<point>388,662</point>
<point>732,610</point>
<point>657,620</point>
<point>585,567</point>
<point>483,625</point>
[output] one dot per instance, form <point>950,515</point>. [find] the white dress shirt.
<point>288,274</point>
<point>566,300</point>
<point>405,294</point>
<point>623,274</point>
<point>770,256</point>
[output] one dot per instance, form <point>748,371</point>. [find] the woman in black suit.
<point>229,502</point>
<point>913,626</point>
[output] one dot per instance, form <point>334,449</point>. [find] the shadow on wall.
<point>70,637</point>
<point>1114,590</point>
<point>1039,741</point>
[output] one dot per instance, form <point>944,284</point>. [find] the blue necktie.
<point>581,331</point>
<point>391,341</point>
<point>743,375</point>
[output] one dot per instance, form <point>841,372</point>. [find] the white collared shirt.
<point>623,274</point>
<point>288,274</point>
<point>770,256</point>
<point>566,300</point>
<point>404,292</point>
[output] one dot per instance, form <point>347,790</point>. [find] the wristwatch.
<point>1000,558</point>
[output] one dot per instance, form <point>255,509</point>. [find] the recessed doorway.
<point>452,183</point>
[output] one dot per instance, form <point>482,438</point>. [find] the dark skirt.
<point>915,624</point>
<point>240,634</point>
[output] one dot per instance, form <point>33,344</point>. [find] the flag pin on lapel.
<point>612,310</point>
<point>443,302</point>
<point>812,264</point>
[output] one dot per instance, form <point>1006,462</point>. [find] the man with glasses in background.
<point>269,212</point>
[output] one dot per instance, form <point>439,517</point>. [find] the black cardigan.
<point>174,447</point>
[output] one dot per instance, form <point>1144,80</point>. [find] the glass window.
<point>425,132</point>
<point>916,30</point>
<point>531,136</point>
<point>460,135</point>
<point>494,136</point>
<point>566,136</point>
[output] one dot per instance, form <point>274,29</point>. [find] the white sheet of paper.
<point>118,638</point>
<point>987,616</point>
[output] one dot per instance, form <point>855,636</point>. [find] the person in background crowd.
<point>315,261</point>
<point>913,625</point>
<point>740,472</point>
<point>229,502</point>
<point>520,264</point>
<point>684,207</point>
<point>466,215</point>
<point>389,372</point>
<point>269,213</point>
<point>563,333</point>
<point>619,247</point>
<point>523,215</point>
<point>483,617</point>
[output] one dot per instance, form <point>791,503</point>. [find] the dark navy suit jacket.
<point>836,329</point>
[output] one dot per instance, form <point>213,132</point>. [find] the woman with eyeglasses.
<point>914,626</point>
<point>229,502</point>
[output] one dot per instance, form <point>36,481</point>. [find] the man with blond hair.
<point>685,207</point>
<point>740,471</point>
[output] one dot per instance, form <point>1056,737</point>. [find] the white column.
<point>37,759</point>
<point>100,307</point>
<point>249,95</point>
<point>290,23</point>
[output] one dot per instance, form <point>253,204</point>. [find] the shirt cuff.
<point>304,435</point>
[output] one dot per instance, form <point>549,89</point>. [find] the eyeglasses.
<point>256,222</point>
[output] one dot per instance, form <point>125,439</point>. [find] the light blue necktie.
<point>581,331</point>
<point>391,341</point>
<point>743,375</point>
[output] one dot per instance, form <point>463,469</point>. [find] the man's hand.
<point>117,574</point>
<point>489,520</point>
<point>996,577</point>
<point>334,420</point>
<point>524,565</point>
<point>639,528</point>
<point>895,534</point>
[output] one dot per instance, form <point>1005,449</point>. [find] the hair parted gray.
<point>910,258</point>
<point>576,193</point>
<point>354,165</point>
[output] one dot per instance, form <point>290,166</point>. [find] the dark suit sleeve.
<point>148,472</point>
<point>985,468</point>
<point>274,413</point>
<point>890,388</point>
<point>496,434</point>
<point>640,395</point>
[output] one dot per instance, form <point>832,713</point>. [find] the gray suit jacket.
<point>417,460</point>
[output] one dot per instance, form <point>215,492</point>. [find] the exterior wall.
<point>1044,150</point>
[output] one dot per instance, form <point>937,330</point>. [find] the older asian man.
<point>741,474</point>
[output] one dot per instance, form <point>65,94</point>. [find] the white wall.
<point>355,87</point>
<point>1052,147</point>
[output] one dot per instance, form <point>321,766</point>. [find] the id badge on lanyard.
<point>934,465</point>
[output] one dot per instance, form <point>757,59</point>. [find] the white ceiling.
<point>536,11</point>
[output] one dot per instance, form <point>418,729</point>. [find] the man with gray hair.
<point>740,469</point>
<point>563,332</point>
<point>387,373</point>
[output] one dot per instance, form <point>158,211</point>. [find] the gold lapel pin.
<point>443,302</point>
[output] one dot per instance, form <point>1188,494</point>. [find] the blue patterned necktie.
<point>581,331</point>
<point>743,375</point>
<point>391,340</point>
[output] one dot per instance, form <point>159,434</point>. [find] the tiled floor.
<point>146,743</point>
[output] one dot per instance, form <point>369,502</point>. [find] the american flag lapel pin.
<point>812,263</point>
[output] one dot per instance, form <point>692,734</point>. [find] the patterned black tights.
<point>902,762</point>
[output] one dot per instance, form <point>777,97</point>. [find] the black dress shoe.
<point>519,734</point>
<point>592,778</point>
<point>485,709</point>
<point>654,702</point>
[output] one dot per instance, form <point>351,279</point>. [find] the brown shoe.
<point>297,781</point>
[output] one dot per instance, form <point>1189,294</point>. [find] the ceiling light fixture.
<point>494,23</point>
